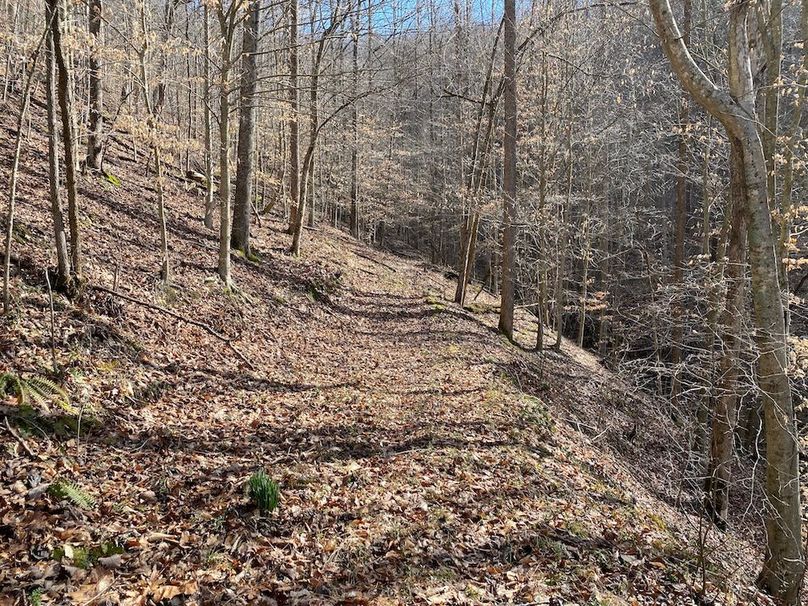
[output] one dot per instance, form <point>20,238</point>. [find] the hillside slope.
<point>422,459</point>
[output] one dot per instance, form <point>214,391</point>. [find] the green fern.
<point>264,491</point>
<point>35,597</point>
<point>11,384</point>
<point>65,489</point>
<point>36,389</point>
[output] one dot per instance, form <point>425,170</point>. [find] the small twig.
<point>208,329</point>
<point>19,439</point>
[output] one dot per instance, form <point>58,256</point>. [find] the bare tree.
<point>96,92</point>
<point>243,201</point>
<point>65,98</point>
<point>509,179</point>
<point>784,560</point>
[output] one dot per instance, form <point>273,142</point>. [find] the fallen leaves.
<point>412,469</point>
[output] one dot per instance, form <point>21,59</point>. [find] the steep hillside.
<point>422,459</point>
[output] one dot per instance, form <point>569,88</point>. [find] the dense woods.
<point>624,177</point>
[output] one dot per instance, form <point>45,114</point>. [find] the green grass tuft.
<point>110,178</point>
<point>264,491</point>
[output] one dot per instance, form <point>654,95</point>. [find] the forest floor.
<point>422,458</point>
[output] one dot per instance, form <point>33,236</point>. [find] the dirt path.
<point>413,466</point>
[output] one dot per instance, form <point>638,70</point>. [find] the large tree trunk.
<point>242,204</point>
<point>96,121</point>
<point>294,126</point>
<point>210,204</point>
<point>509,178</point>
<point>65,97</point>
<point>63,271</point>
<point>784,561</point>
<point>354,217</point>
<point>227,21</point>
<point>725,415</point>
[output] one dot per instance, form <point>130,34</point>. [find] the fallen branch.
<point>369,258</point>
<point>208,329</point>
<point>19,439</point>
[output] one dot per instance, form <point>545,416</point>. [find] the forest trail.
<point>422,458</point>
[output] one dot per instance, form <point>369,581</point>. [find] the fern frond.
<point>65,489</point>
<point>42,390</point>
<point>37,389</point>
<point>12,384</point>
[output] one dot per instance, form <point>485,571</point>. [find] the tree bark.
<point>227,23</point>
<point>354,217</point>
<point>783,565</point>
<point>65,98</point>
<point>210,204</point>
<point>792,142</point>
<point>63,270</point>
<point>242,204</point>
<point>509,189</point>
<point>294,125</point>
<point>680,223</point>
<point>725,414</point>
<point>96,113</point>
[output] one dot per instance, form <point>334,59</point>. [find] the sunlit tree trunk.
<point>63,270</point>
<point>294,117</point>
<point>354,217</point>
<point>210,204</point>
<point>725,413</point>
<point>65,98</point>
<point>242,204</point>
<point>96,116</point>
<point>153,124</point>
<point>227,27</point>
<point>784,558</point>
<point>509,185</point>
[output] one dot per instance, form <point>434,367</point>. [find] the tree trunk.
<point>784,561</point>
<point>210,205</point>
<point>584,282</point>
<point>242,206</point>
<point>294,125</point>
<point>96,112</point>
<point>726,405</point>
<point>792,143</point>
<point>479,152</point>
<point>153,123</point>
<point>63,270</point>
<point>65,97</point>
<point>509,189</point>
<point>354,218</point>
<point>227,20</point>
<point>680,223</point>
